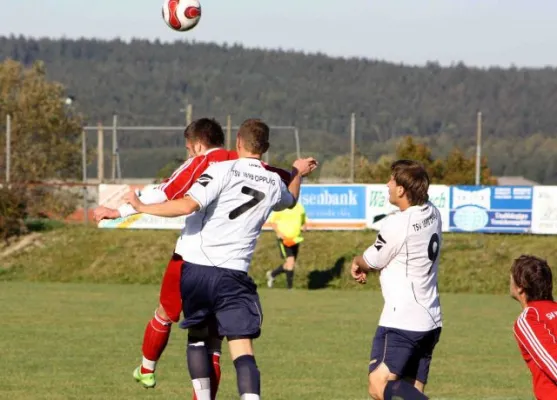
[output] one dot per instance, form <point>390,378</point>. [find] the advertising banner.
<point>111,196</point>
<point>544,210</point>
<point>378,206</point>
<point>334,206</point>
<point>502,209</point>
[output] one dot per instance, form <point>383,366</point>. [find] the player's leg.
<point>271,275</point>
<point>157,331</point>
<point>199,365</point>
<point>197,288</point>
<point>248,377</point>
<point>214,349</point>
<point>427,345</point>
<point>290,264</point>
<point>393,356</point>
<point>240,317</point>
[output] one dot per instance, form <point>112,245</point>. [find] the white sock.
<point>148,364</point>
<point>202,388</point>
<point>250,396</point>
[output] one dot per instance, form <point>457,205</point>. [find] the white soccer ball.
<point>181,15</point>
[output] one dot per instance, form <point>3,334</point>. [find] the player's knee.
<point>290,263</point>
<point>376,389</point>
<point>162,314</point>
<point>198,336</point>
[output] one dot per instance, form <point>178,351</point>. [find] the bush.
<point>13,211</point>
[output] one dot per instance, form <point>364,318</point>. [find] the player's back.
<point>409,282</point>
<point>236,197</point>
<point>184,176</point>
<point>536,333</point>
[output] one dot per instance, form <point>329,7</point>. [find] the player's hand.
<point>132,198</point>
<point>358,273</point>
<point>103,212</point>
<point>305,166</point>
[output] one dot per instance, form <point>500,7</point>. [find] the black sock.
<point>247,375</point>
<point>198,361</point>
<point>289,278</point>
<point>402,390</point>
<point>277,271</point>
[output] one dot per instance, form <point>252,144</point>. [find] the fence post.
<point>297,137</point>
<point>84,169</point>
<point>114,124</point>
<point>100,153</point>
<point>228,131</point>
<point>352,145</point>
<point>8,145</point>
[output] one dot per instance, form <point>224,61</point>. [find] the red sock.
<point>215,376</point>
<point>155,339</point>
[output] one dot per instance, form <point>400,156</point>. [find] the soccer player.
<point>406,254</point>
<point>535,330</point>
<point>204,142</point>
<point>228,206</point>
<point>288,226</point>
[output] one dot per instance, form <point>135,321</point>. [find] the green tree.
<point>45,135</point>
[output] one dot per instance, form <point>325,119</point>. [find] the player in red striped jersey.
<point>204,142</point>
<point>535,329</point>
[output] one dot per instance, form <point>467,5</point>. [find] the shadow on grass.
<point>321,279</point>
<point>43,225</point>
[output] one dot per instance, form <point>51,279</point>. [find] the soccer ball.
<point>181,15</point>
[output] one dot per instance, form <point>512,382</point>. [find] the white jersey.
<point>407,251</point>
<point>235,199</point>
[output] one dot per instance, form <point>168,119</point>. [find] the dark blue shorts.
<point>226,296</point>
<point>406,353</point>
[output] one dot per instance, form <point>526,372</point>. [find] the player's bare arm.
<point>301,167</point>
<point>173,208</point>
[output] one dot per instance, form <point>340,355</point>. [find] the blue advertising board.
<point>335,206</point>
<point>491,209</point>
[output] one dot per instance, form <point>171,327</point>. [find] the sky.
<point>480,33</point>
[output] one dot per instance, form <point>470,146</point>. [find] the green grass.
<point>470,263</point>
<point>82,341</point>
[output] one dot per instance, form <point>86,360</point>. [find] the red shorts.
<point>170,297</point>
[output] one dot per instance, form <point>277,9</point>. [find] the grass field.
<point>82,341</point>
<point>470,263</point>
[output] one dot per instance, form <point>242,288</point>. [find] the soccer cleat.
<point>270,279</point>
<point>147,380</point>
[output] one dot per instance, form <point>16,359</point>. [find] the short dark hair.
<point>413,177</point>
<point>533,275</point>
<point>255,135</point>
<point>205,130</point>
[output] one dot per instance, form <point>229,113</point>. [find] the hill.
<point>149,82</point>
<point>470,263</point>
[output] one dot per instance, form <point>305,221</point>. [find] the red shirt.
<point>535,331</point>
<point>184,177</point>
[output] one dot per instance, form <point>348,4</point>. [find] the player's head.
<point>253,138</point>
<point>531,279</point>
<point>408,185</point>
<point>203,134</point>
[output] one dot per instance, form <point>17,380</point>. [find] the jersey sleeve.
<point>208,186</point>
<point>538,340</point>
<point>286,200</point>
<point>182,179</point>
<point>149,196</point>
<point>387,245</point>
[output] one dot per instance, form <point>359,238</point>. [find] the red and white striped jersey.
<point>181,179</point>
<point>536,332</point>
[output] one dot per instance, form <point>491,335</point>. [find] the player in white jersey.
<point>406,254</point>
<point>228,206</point>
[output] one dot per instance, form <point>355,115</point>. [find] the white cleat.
<point>270,279</point>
